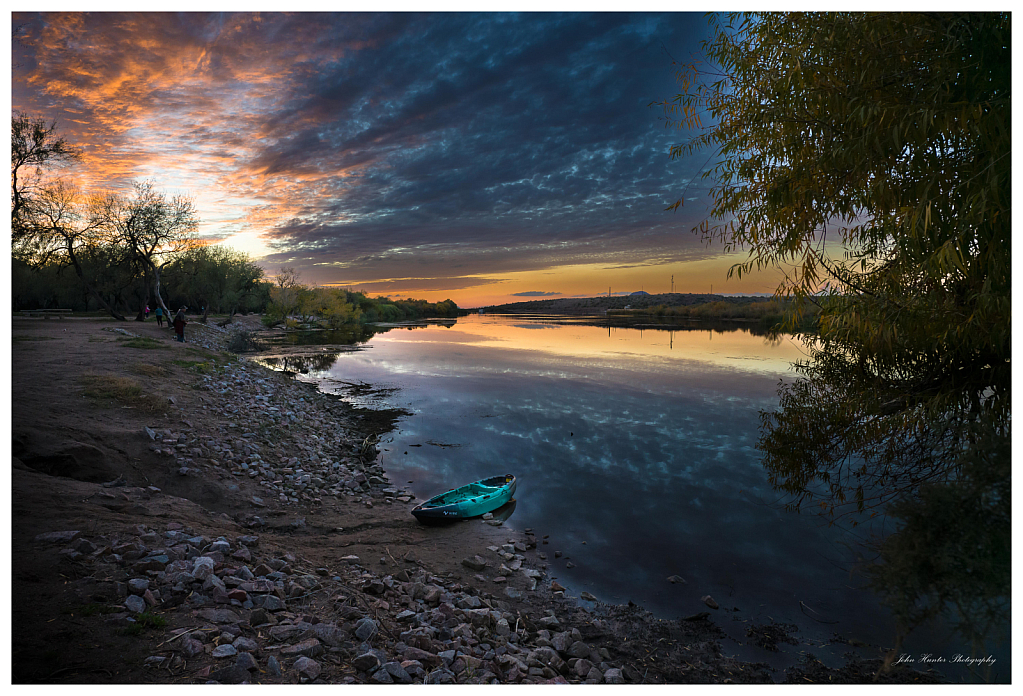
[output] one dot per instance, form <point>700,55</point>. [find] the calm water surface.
<point>635,451</point>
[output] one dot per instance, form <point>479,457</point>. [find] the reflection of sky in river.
<point>636,454</point>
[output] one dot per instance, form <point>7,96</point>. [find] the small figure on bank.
<point>159,316</point>
<point>179,324</point>
<point>147,311</point>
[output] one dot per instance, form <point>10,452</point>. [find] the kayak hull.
<point>471,500</point>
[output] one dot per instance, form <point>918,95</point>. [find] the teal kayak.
<point>471,500</point>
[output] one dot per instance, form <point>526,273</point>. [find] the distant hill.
<point>600,304</point>
<point>639,293</point>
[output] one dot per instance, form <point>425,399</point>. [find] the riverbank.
<point>226,522</point>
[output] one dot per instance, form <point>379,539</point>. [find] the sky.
<point>481,157</point>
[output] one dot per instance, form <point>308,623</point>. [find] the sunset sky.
<point>479,157</point>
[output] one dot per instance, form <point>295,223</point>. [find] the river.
<point>636,460</point>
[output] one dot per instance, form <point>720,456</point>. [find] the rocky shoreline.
<point>252,536</point>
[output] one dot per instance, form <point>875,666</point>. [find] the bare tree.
<point>62,231</point>
<point>151,227</point>
<point>34,145</point>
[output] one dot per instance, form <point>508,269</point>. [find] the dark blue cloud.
<point>508,140</point>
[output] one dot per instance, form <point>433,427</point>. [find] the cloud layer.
<point>380,147</point>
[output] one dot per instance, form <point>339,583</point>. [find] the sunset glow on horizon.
<point>481,157</point>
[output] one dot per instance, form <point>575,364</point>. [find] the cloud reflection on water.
<point>642,446</point>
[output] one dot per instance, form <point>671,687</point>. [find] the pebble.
<point>135,604</point>
<point>256,602</point>
<point>307,668</point>
<point>246,661</point>
<point>224,651</point>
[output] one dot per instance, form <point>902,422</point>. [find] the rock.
<point>273,666</point>
<point>365,629</point>
<point>548,621</point>
<point>614,676</point>
<point>202,567</point>
<point>474,563</point>
<point>366,662</point>
<point>309,648</point>
<point>382,676</point>
<point>512,593</point>
<point>273,603</point>
<point>556,586</point>
<point>224,651</point>
<point>709,601</point>
<point>157,562</point>
<point>443,676</point>
<point>219,616</point>
<point>426,658</point>
<point>587,596</point>
<point>191,647</point>
<point>246,661</point>
<point>307,668</point>
<point>213,582</point>
<point>397,672</point>
<point>258,617</point>
<point>582,667</point>
<point>432,594</point>
<point>676,580</point>
<point>502,628</point>
<point>138,586</point>
<point>329,634</point>
<point>570,564</point>
<point>135,604</point>
<point>58,537</point>
<point>549,657</point>
<point>579,649</point>
<point>230,675</point>
<point>245,644</point>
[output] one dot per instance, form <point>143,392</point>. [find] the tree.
<point>211,275</point>
<point>63,229</point>
<point>151,227</point>
<point>285,296</point>
<point>34,144</point>
<point>888,137</point>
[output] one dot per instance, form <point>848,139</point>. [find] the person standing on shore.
<point>159,316</point>
<point>179,324</point>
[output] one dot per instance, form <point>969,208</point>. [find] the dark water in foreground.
<point>635,452</point>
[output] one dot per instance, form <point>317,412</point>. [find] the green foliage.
<point>143,622</point>
<point>767,313</point>
<point>143,342</point>
<point>953,552</point>
<point>889,132</point>
<point>125,391</point>
<point>869,155</point>
<point>334,308</point>
<point>216,277</point>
